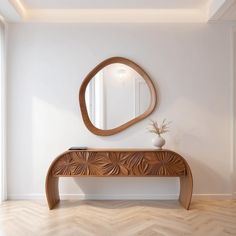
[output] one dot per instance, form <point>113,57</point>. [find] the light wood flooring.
<point>118,218</point>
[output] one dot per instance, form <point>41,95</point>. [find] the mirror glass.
<point>116,95</point>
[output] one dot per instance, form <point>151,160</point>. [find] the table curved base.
<point>121,163</point>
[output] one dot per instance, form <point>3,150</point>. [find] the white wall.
<point>190,65</point>
<point>3,181</point>
<point>234,109</point>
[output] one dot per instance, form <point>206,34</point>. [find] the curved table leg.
<point>186,188</point>
<point>52,192</point>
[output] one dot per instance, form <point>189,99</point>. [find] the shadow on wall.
<point>205,178</point>
<point>127,187</point>
<point>161,188</point>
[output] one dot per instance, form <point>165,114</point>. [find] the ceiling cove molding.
<point>8,12</point>
<point>19,7</point>
<point>217,8</point>
<point>105,15</point>
<point>15,11</point>
<point>116,15</point>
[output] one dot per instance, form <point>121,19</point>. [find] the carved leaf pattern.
<point>137,163</point>
<point>86,163</point>
<point>118,163</point>
<point>171,165</point>
<point>64,165</point>
<point>165,164</point>
<point>113,164</point>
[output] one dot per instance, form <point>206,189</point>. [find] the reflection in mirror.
<point>116,95</point>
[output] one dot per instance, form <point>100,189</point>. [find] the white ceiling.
<point>118,11</point>
<point>114,4</point>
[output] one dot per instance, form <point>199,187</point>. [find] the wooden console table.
<point>120,163</point>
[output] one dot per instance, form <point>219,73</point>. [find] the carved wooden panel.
<point>119,163</point>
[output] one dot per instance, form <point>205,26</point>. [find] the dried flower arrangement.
<point>159,129</point>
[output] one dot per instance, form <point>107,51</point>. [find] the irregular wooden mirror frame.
<point>90,76</point>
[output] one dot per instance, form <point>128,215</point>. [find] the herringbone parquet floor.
<point>118,218</point>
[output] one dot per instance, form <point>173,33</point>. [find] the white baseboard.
<point>119,196</point>
<point>213,196</point>
<point>98,197</point>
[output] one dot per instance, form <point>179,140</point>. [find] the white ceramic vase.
<point>158,142</point>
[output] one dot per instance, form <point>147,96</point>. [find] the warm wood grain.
<point>186,187</point>
<point>51,186</point>
<point>90,76</point>
<point>119,163</point>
